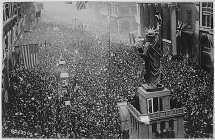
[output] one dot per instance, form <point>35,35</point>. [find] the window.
<point>161,104</point>
<point>7,10</point>
<point>189,19</point>
<point>15,9</point>
<point>137,126</point>
<point>124,11</point>
<point>171,124</point>
<point>154,127</point>
<point>112,10</point>
<point>207,15</point>
<point>155,104</point>
<point>116,12</point>
<point>162,125</point>
<point>150,105</point>
<point>134,10</point>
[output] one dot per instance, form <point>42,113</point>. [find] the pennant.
<point>81,5</point>
<point>30,55</point>
<point>180,27</point>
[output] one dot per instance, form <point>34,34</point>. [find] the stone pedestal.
<point>145,95</point>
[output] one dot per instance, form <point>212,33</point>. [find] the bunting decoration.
<point>81,5</point>
<point>180,27</point>
<point>30,55</point>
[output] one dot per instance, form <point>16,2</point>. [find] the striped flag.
<point>180,27</point>
<point>81,5</point>
<point>30,55</point>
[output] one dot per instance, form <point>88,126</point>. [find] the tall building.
<point>17,18</point>
<point>206,36</point>
<point>122,17</point>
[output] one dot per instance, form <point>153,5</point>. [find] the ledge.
<point>147,95</point>
<point>156,115</point>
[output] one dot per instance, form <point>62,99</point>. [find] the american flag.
<point>81,5</point>
<point>30,55</point>
<point>180,27</point>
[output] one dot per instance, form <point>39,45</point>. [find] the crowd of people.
<point>191,88</point>
<point>102,73</point>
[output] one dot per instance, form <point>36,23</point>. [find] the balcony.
<point>156,115</point>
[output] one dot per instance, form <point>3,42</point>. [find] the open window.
<point>155,104</point>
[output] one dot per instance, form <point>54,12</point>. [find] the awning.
<point>64,75</point>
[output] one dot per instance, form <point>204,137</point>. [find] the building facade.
<point>171,14</point>
<point>17,18</point>
<point>122,17</point>
<point>206,50</point>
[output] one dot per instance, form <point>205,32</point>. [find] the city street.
<point>87,66</point>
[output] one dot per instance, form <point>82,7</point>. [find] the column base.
<point>147,88</point>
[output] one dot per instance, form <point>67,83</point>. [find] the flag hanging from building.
<point>158,17</point>
<point>81,5</point>
<point>30,55</point>
<point>180,27</point>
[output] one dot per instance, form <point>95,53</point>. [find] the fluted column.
<point>152,15</point>
<point>146,17</point>
<point>173,29</point>
<point>166,22</point>
<point>141,19</point>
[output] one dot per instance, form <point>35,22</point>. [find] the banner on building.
<point>30,55</point>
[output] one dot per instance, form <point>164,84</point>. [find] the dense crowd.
<point>191,88</point>
<point>102,75</point>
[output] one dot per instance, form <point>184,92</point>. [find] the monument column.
<point>173,28</point>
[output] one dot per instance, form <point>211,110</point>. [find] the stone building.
<point>206,50</point>
<point>122,17</point>
<point>172,13</point>
<point>18,18</point>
